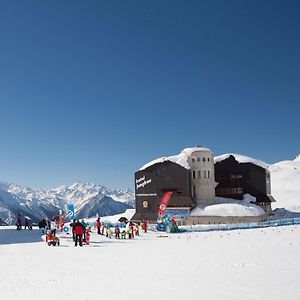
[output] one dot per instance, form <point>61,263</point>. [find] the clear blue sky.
<point>92,90</point>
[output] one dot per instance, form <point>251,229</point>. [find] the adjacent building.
<point>238,175</point>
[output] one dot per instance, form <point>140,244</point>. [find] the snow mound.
<point>180,159</point>
<point>225,207</point>
<point>242,159</point>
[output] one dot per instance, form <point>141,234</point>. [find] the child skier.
<point>87,236</point>
<point>117,232</point>
<point>123,234</point>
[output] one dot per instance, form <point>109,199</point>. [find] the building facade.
<point>154,181</point>
<point>234,179</point>
<point>195,178</point>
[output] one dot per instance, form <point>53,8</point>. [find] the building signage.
<point>146,195</point>
<point>145,204</point>
<point>141,182</point>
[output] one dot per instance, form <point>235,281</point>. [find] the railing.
<point>225,227</point>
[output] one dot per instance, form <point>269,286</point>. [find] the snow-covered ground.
<point>249,264</point>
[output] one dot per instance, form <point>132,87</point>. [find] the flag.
<point>164,203</point>
<point>60,220</point>
<point>71,211</point>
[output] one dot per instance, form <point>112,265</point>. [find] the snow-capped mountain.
<point>102,206</point>
<point>47,203</point>
<point>285,187</point>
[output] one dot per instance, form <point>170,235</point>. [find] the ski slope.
<point>249,264</point>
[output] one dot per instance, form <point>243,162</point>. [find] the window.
<point>193,159</point>
<point>208,159</point>
<point>194,191</point>
<point>199,174</point>
<point>194,174</point>
<point>234,176</point>
<point>198,159</point>
<point>203,158</point>
<point>237,191</point>
<point>208,174</point>
<point>204,174</point>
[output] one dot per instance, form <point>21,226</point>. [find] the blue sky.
<point>92,90</point>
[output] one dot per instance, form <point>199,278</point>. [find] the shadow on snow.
<point>12,236</point>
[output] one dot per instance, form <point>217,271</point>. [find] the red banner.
<point>164,203</point>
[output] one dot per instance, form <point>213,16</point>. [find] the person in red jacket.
<point>98,225</point>
<point>79,230</point>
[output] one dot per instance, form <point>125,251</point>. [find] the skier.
<point>53,227</point>
<point>131,225</point>
<point>87,236</point>
<point>117,232</point>
<point>29,224</point>
<point>26,223</point>
<point>123,234</point>
<point>98,225</point>
<point>42,225</point>
<point>108,232</point>
<point>128,230</point>
<point>84,225</point>
<point>19,222</point>
<point>78,231</point>
<point>72,226</point>
<point>137,230</point>
<point>145,226</point>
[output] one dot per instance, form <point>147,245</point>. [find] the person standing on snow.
<point>79,230</point>
<point>72,227</point>
<point>53,227</point>
<point>98,225</point>
<point>117,232</point>
<point>145,225</point>
<point>87,236</point>
<point>26,223</point>
<point>19,222</point>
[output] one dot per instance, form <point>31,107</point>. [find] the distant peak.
<point>297,158</point>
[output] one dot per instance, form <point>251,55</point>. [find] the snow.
<point>180,159</point>
<point>114,219</point>
<point>226,207</point>
<point>242,159</point>
<point>285,188</point>
<point>249,264</point>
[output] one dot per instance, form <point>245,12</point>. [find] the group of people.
<point>130,230</point>
<point>27,223</point>
<point>80,232</point>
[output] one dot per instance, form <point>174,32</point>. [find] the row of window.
<point>206,174</point>
<point>230,191</point>
<point>199,159</point>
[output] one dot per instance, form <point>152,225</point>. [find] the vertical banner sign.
<point>164,203</point>
<point>60,220</point>
<point>71,211</point>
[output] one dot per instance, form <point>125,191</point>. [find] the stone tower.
<point>201,162</point>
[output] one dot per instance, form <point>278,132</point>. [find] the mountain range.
<point>94,199</point>
<point>89,199</point>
